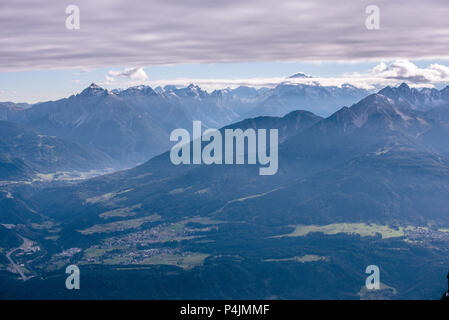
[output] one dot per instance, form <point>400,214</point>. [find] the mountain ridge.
<point>390,131</point>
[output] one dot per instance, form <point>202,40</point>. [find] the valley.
<point>366,185</point>
<point>185,250</point>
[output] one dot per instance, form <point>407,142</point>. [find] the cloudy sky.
<point>218,43</point>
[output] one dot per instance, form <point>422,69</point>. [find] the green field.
<point>121,212</point>
<point>303,259</point>
<point>186,262</point>
<point>119,225</point>
<point>361,229</point>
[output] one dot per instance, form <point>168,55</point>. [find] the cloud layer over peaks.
<point>136,33</point>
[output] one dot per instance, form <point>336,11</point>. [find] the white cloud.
<point>404,70</point>
<point>381,67</point>
<point>383,74</point>
<point>109,79</point>
<point>130,73</point>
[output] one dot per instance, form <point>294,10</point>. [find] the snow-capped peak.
<point>94,90</point>
<point>300,75</point>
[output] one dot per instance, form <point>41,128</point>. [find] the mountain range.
<point>129,126</point>
<point>380,164</point>
<point>25,152</point>
<point>378,159</point>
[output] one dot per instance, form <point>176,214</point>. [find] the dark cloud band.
<point>134,33</point>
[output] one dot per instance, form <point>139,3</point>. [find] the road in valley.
<point>25,246</point>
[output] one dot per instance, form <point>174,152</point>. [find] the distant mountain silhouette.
<point>422,99</point>
<point>369,162</point>
<point>299,75</point>
<point>322,100</point>
<point>24,152</point>
<point>132,125</point>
